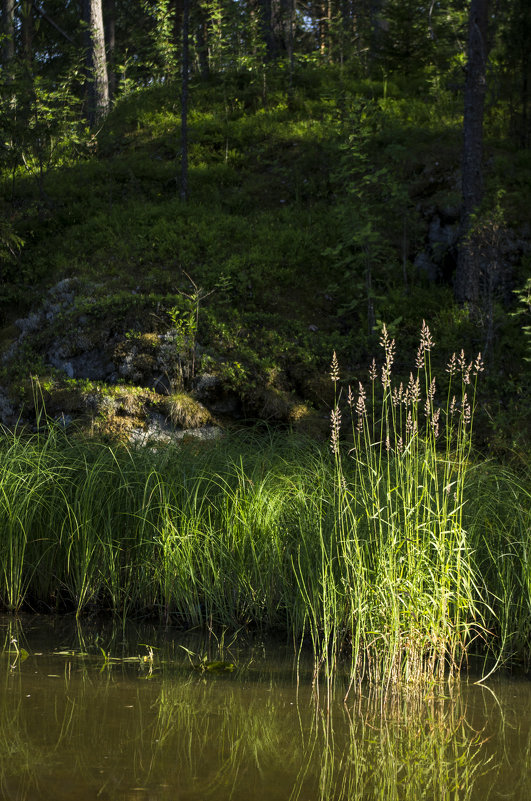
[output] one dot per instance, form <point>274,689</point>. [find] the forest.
<point>265,309</point>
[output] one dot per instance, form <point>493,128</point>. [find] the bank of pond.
<point>398,565</point>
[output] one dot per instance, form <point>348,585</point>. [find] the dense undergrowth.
<point>397,551</point>
<point>305,217</point>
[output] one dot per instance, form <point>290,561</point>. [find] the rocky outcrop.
<point>115,370</point>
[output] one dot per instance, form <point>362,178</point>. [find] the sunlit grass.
<point>395,552</point>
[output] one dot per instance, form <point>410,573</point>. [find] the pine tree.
<point>8,31</point>
<point>467,283</point>
<point>97,80</point>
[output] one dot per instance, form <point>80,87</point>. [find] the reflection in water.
<point>87,723</point>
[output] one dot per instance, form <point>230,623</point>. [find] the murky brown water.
<point>77,723</point>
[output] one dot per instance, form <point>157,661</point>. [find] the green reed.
<point>395,553</point>
<point>411,593</point>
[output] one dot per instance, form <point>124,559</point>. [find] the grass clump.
<point>185,411</point>
<point>407,563</point>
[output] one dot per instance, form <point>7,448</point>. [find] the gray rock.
<point>7,413</point>
<point>55,360</point>
<point>206,386</point>
<point>162,384</point>
<point>92,365</point>
<point>27,325</point>
<point>209,390</point>
<point>441,237</point>
<point>423,264</point>
<point>158,431</point>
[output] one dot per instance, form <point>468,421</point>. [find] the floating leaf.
<point>215,667</point>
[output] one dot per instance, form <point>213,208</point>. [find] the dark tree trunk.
<point>287,9</point>
<point>110,39</point>
<point>267,9</point>
<point>97,80</point>
<point>8,29</point>
<point>184,101</point>
<point>202,43</point>
<point>177,7</point>
<point>467,281</point>
<point>345,30</point>
<point>27,33</point>
<point>322,27</point>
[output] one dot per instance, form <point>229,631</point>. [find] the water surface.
<point>97,713</point>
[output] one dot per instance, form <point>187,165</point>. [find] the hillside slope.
<point>310,222</point>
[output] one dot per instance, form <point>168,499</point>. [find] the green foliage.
<point>351,169</point>
<point>164,63</point>
<point>376,202</point>
<point>523,313</point>
<point>41,126</point>
<point>10,243</point>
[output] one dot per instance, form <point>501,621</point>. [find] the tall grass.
<point>401,566</point>
<point>395,551</point>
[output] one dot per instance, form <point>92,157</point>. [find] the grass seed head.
<point>435,422</point>
<point>426,340</point>
<point>451,367</point>
<point>478,366</point>
<point>334,368</point>
<point>466,410</point>
<point>384,338</point>
<point>335,425</point>
<point>413,389</point>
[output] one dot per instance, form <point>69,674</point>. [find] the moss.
<point>299,412</point>
<point>64,399</point>
<point>271,403</point>
<point>114,426</point>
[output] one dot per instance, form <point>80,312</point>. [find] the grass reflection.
<point>126,732</point>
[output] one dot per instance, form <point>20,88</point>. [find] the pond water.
<point>90,712</point>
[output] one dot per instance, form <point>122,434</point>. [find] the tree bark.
<point>110,38</point>
<point>8,29</point>
<point>291,49</point>
<point>267,9</point>
<point>177,7</point>
<point>27,26</point>
<point>468,274</point>
<point>97,80</point>
<point>184,101</point>
<point>202,43</point>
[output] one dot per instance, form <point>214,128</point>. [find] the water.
<point>137,722</point>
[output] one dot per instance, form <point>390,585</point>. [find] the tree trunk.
<point>184,101</point>
<point>177,7</point>
<point>8,30</point>
<point>467,281</point>
<point>27,26</point>
<point>110,38</point>
<point>97,80</point>
<point>267,8</point>
<point>291,44</point>
<point>322,24</point>
<point>202,43</point>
